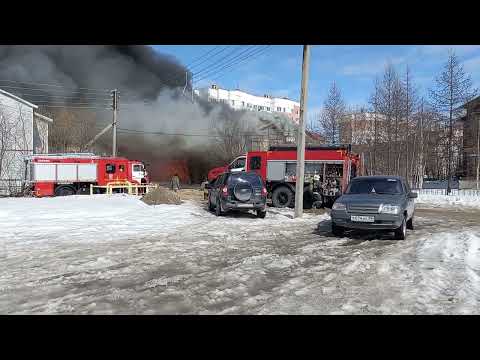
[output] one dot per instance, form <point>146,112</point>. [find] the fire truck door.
<point>238,164</point>
<point>138,172</point>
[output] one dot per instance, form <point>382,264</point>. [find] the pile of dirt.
<point>191,194</point>
<point>161,195</point>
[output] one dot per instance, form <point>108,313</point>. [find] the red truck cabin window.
<point>255,163</point>
<point>110,168</point>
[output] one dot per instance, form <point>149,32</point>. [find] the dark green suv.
<point>240,191</point>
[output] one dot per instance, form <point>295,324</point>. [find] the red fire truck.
<point>328,170</point>
<point>68,174</point>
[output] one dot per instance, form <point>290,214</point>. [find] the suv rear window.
<point>253,179</point>
<point>379,186</point>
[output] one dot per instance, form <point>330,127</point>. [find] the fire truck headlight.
<point>389,209</point>
<point>338,206</point>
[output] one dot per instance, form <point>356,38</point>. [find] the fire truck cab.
<point>69,174</point>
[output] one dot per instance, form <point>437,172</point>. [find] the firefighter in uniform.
<point>175,183</point>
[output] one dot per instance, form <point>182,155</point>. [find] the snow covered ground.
<point>116,255</point>
<point>448,201</point>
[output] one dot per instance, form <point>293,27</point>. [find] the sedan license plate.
<point>357,218</point>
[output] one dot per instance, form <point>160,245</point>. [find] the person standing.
<point>175,183</point>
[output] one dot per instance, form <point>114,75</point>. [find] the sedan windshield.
<point>378,186</point>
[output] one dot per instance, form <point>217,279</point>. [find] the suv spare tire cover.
<point>243,191</point>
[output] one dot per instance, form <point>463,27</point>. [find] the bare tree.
<point>387,108</point>
<point>410,98</point>
<point>375,104</point>
<point>72,129</point>
<point>333,112</point>
<point>232,131</point>
<point>452,89</point>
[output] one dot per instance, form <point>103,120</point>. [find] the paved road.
<point>236,265</point>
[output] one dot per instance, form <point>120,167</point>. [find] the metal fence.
<point>468,193</point>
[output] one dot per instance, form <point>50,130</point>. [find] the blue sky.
<point>353,67</point>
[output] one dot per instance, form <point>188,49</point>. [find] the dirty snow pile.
<point>161,195</point>
<point>448,200</point>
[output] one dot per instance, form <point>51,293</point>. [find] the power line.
<point>36,95</point>
<point>235,61</point>
<point>202,62</point>
<point>49,91</point>
<point>74,107</point>
<point>142,132</point>
<point>219,63</point>
<point>254,53</point>
<point>202,56</point>
<point>52,85</point>
<point>258,54</point>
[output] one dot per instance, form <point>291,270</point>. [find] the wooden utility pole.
<point>300,176</point>
<point>477,114</point>
<point>114,122</point>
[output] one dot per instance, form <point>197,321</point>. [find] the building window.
<point>233,102</point>
<point>243,103</point>
<point>279,109</point>
<point>283,109</point>
<point>255,107</point>
<point>249,105</point>
<point>268,109</point>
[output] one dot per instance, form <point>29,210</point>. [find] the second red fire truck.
<point>328,170</point>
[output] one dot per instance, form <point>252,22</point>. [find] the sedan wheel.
<point>401,232</point>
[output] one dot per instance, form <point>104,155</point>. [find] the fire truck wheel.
<point>83,190</point>
<point>64,190</point>
<point>282,197</point>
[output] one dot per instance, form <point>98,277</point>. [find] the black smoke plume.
<point>152,102</point>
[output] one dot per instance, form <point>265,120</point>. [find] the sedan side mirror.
<point>412,195</point>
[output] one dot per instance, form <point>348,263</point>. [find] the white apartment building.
<point>240,100</point>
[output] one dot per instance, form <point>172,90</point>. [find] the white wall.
<point>16,140</point>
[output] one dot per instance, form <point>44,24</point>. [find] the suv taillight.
<point>264,192</point>
<point>225,191</point>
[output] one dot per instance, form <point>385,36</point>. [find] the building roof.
<point>252,94</point>
<point>477,98</point>
<point>43,117</point>
<point>25,102</point>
